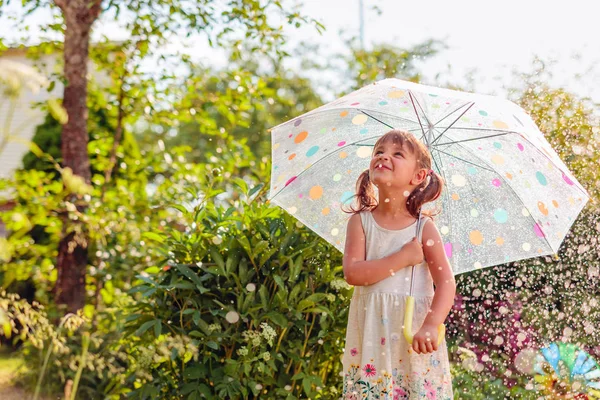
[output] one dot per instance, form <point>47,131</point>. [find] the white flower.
<point>339,284</point>
<point>268,333</point>
<point>252,337</point>
<point>15,75</point>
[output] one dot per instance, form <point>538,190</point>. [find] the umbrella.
<point>508,196</point>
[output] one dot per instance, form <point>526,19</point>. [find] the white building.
<point>23,114</point>
<point>26,116</point>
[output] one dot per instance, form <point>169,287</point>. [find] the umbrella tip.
<point>555,257</point>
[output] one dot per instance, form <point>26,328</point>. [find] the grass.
<point>10,362</point>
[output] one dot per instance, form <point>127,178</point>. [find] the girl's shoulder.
<point>429,229</point>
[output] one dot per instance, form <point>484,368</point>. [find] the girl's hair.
<point>424,193</point>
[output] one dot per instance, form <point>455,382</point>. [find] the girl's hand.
<point>413,252</point>
<point>425,341</point>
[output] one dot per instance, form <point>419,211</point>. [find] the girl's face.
<point>392,166</point>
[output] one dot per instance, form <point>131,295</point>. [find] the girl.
<point>378,362</point>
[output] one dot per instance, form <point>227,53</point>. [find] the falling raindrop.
<point>232,317</point>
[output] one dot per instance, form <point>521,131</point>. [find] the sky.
<point>493,39</point>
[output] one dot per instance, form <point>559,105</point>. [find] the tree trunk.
<point>79,15</point>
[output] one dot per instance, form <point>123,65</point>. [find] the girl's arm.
<point>445,289</point>
<point>360,272</point>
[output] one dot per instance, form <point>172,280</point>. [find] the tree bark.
<point>79,15</point>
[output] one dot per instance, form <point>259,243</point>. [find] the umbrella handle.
<point>408,318</point>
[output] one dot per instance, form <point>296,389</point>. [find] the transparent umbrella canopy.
<point>508,196</point>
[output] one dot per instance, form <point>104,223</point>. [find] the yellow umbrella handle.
<point>408,318</point>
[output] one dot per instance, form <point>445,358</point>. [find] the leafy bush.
<point>246,302</point>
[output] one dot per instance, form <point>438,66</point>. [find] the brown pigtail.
<point>364,193</point>
<point>424,193</point>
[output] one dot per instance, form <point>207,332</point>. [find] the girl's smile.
<point>381,167</point>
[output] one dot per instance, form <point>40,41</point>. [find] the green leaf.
<point>157,327</point>
<point>185,270</point>
<point>299,375</point>
<point>264,296</point>
<point>295,269</point>
<point>190,386</point>
<point>229,211</point>
<point>147,280</point>
<point>57,111</point>
<point>212,345</point>
<point>277,318</point>
<point>218,259</point>
<point>195,372</point>
<point>317,297</point>
<point>145,326</point>
<point>180,208</point>
<point>242,184</point>
<point>295,291</point>
<point>154,236</point>
<point>260,246</point>
<point>304,304</point>
<point>279,281</point>
<point>266,255</point>
<point>231,263</point>
<point>205,390</point>
<point>243,240</point>
<point>248,300</point>
<point>306,385</point>
<point>152,270</point>
<point>255,189</point>
<point>243,270</point>
<point>200,323</point>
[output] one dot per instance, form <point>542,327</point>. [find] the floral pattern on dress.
<point>367,383</point>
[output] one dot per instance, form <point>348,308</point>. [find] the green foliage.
<point>388,61</point>
<point>53,353</point>
<point>47,137</point>
<point>256,294</point>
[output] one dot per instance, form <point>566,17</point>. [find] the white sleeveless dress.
<point>378,362</point>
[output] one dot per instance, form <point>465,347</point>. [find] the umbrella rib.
<point>420,107</point>
<point>462,159</point>
<point>450,113</point>
<point>484,129</point>
<point>378,120</point>
<point>445,192</point>
<point>453,122</point>
<point>417,114</point>
<point>470,140</point>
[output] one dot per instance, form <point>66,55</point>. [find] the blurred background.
<point>138,254</point>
